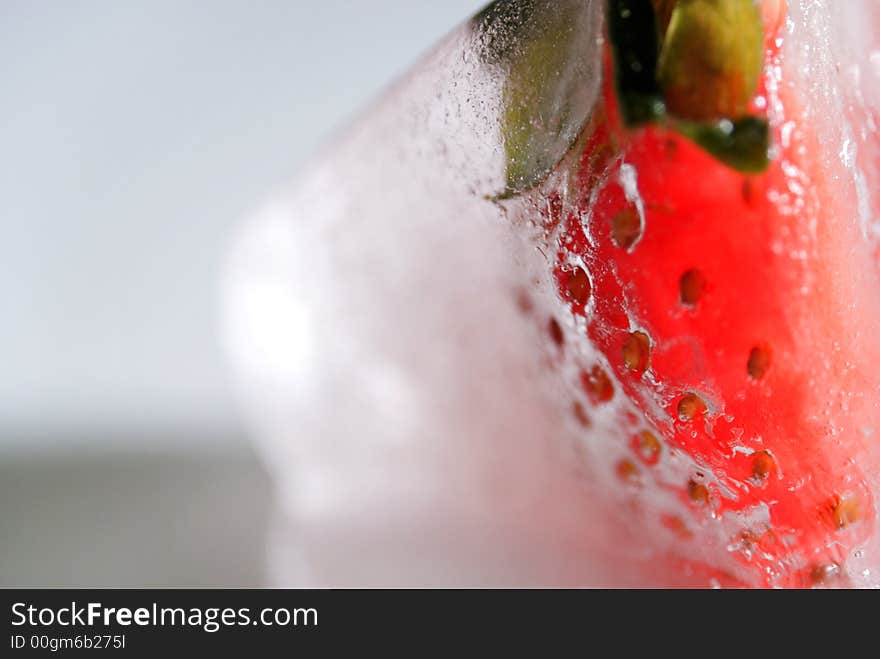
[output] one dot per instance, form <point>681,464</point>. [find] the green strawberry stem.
<point>692,65</point>
<point>548,55</point>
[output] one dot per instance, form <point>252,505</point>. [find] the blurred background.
<point>133,137</point>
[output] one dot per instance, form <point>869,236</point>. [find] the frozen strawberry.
<point>589,298</point>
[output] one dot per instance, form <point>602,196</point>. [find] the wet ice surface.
<point>400,394</point>
<point>832,50</point>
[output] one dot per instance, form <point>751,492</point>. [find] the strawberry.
<point>731,299</point>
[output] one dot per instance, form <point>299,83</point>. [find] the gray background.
<point>133,137</point>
